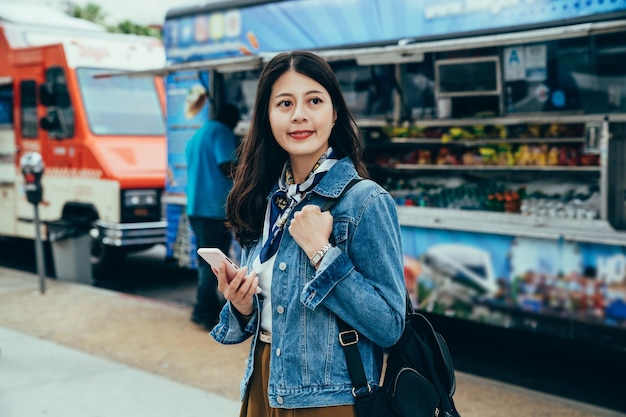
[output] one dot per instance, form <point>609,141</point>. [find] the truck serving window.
<point>120,105</point>
<point>368,90</point>
<point>239,88</point>
<point>418,90</point>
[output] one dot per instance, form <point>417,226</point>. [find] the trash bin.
<point>71,249</point>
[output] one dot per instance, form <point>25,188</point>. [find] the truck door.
<point>41,116</point>
<point>58,121</point>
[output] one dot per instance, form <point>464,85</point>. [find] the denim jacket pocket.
<point>340,233</point>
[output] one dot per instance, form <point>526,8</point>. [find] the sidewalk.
<point>77,350</point>
<point>81,351</point>
<point>40,378</point>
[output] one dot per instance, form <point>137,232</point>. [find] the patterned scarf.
<point>286,198</point>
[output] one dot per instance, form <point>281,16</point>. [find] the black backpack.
<point>419,378</point>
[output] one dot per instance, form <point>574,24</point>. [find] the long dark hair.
<point>261,159</point>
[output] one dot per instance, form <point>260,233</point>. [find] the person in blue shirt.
<point>210,157</point>
<point>302,268</point>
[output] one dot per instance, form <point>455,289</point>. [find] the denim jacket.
<point>360,279</point>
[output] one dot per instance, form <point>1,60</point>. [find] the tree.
<point>94,13</point>
<point>91,12</point>
<point>127,26</point>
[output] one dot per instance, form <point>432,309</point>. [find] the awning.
<point>231,64</point>
<point>407,50</point>
<point>514,38</point>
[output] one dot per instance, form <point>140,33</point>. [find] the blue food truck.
<point>498,127</point>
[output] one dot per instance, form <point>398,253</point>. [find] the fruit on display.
<point>453,146</point>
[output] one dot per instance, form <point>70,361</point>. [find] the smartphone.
<point>215,257</point>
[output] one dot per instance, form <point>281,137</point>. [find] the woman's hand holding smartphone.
<point>215,257</point>
<point>233,282</point>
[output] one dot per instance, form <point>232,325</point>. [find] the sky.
<point>144,12</point>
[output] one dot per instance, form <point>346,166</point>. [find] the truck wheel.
<point>105,260</point>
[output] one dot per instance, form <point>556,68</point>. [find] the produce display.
<point>404,161</point>
<point>516,145</point>
<point>575,203</point>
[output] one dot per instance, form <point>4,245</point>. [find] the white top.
<point>264,272</point>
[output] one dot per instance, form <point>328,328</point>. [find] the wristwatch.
<point>317,256</point>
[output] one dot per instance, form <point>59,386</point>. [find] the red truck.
<point>102,140</point>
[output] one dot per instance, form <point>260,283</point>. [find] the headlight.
<point>140,198</point>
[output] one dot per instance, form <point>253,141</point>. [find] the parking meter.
<point>32,169</point>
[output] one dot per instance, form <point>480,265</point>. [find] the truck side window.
<point>6,104</point>
<point>59,119</point>
<point>28,108</point>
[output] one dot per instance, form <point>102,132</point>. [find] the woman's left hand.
<point>311,228</point>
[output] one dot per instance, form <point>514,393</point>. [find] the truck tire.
<point>105,260</point>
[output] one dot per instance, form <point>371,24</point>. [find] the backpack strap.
<point>331,202</point>
<point>348,339</point>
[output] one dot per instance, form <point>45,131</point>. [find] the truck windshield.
<point>120,105</point>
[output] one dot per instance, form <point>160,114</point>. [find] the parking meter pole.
<point>39,251</point>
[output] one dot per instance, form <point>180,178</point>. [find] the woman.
<point>302,148</point>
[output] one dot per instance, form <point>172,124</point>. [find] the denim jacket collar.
<point>331,185</point>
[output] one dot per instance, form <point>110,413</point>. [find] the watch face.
<point>316,258</point>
